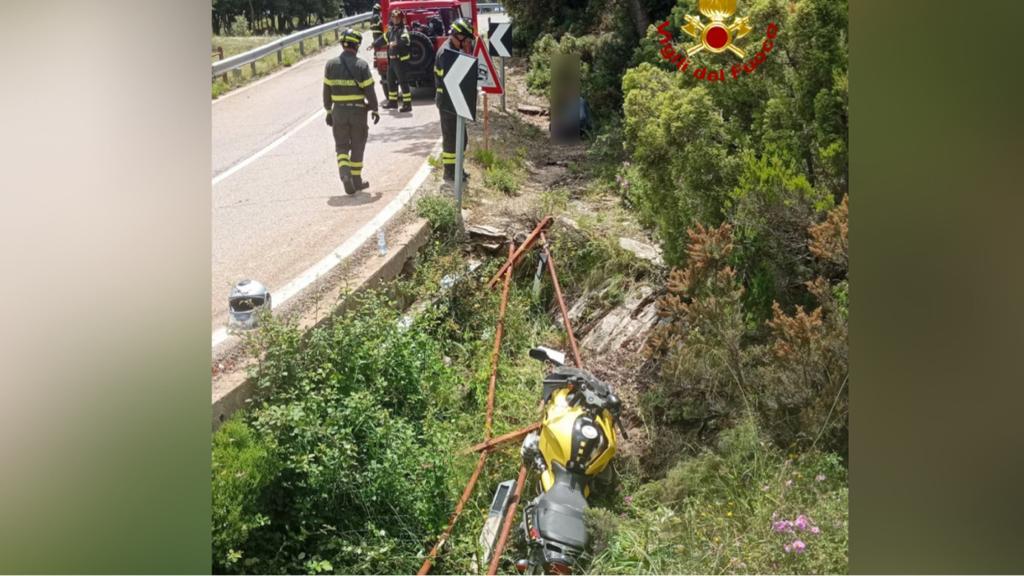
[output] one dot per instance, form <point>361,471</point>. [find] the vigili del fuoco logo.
<point>716,37</point>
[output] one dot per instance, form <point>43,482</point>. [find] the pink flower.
<point>815,529</point>
<point>787,548</point>
<point>820,477</point>
<point>789,482</point>
<point>801,522</point>
<point>629,500</point>
<point>782,526</point>
<point>799,546</point>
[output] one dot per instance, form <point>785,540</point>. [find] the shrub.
<point>484,157</point>
<point>770,210</point>
<point>355,414</point>
<point>738,508</point>
<point>239,26</point>
<point>218,87</point>
<point>243,467</point>
<point>440,211</point>
<point>502,178</point>
<point>712,368</point>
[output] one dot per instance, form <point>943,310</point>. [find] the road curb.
<point>233,388</point>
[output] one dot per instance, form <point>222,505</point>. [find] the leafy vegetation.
<point>243,17</point>
<point>742,507</point>
<point>440,212</point>
<point>345,460</point>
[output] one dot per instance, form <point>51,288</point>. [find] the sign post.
<point>499,42</point>
<point>503,84</point>
<point>460,86</point>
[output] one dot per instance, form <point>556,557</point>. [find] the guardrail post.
<point>220,56</point>
<point>337,35</point>
<point>238,74</point>
<point>280,57</point>
<point>302,48</point>
<point>252,66</point>
<point>320,40</point>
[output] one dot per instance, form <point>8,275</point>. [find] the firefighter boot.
<point>406,102</point>
<point>358,184</point>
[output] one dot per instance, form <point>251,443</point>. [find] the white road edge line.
<point>349,246</point>
<point>280,140</point>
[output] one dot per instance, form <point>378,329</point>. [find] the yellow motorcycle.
<point>574,444</point>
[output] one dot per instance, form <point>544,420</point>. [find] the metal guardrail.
<point>237,61</point>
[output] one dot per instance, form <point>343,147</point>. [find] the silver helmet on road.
<point>247,299</point>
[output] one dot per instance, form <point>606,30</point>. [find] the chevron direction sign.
<point>460,75</point>
<point>499,39</point>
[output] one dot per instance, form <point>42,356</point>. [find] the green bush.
<point>243,467</point>
<point>737,509</point>
<point>484,157</point>
<point>697,146</point>
<point>239,26</point>
<point>357,473</point>
<point>502,178</point>
<point>440,211</point>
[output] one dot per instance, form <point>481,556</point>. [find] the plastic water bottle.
<point>382,245</point>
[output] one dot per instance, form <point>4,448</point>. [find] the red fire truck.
<point>428,22</point>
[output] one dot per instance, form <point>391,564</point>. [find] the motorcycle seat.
<point>560,513</point>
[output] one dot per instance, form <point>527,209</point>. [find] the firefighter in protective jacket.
<point>399,44</point>
<point>460,38</point>
<point>348,94</point>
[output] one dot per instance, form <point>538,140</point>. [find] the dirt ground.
<point>557,170</point>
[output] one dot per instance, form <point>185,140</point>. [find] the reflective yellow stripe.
<point>440,90</point>
<point>367,82</point>
<point>447,154</point>
<point>407,97</point>
<point>357,172</point>
<point>330,82</point>
<point>356,164</point>
<point>403,58</point>
<point>353,39</point>
<point>439,71</point>
<point>347,98</point>
<point>448,161</point>
<point>342,156</point>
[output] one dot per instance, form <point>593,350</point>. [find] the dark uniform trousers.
<point>449,122</point>
<point>348,94</point>
<point>350,134</point>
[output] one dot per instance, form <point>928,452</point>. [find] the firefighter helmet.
<point>351,37</point>
<point>397,14</point>
<point>462,27</point>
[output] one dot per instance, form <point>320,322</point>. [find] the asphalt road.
<point>278,211</point>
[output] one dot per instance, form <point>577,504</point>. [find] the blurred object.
<point>565,101</point>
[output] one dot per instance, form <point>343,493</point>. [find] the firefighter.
<point>348,93</point>
<point>460,38</point>
<point>375,24</point>
<point>399,51</point>
<point>377,29</point>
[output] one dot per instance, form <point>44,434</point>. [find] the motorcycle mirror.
<point>546,354</point>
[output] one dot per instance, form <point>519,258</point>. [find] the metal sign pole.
<point>504,87</point>
<point>487,128</point>
<point>460,142</point>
